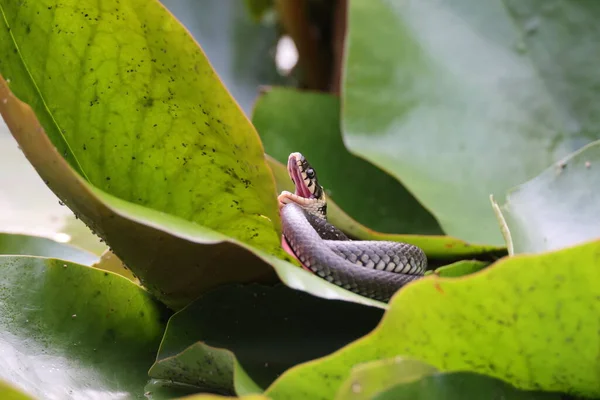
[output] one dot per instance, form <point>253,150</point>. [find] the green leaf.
<point>160,129</point>
<point>69,331</point>
<point>558,208</point>
<point>435,246</point>
<point>465,99</point>
<point>155,134</point>
<point>195,350</point>
<point>529,320</point>
<point>401,378</point>
<point>289,120</point>
<point>42,247</point>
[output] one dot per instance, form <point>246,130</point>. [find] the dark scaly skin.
<point>363,267</point>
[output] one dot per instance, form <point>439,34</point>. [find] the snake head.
<point>304,177</point>
<point>307,185</point>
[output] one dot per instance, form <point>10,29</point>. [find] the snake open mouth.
<point>295,162</point>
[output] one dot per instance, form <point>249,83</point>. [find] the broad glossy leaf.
<point>558,208</point>
<point>529,320</point>
<point>265,329</point>
<point>435,246</point>
<point>38,246</point>
<point>463,99</point>
<point>289,120</point>
<point>156,128</point>
<point>240,49</point>
<point>70,331</point>
<point>162,135</point>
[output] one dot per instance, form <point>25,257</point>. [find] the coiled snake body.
<point>375,269</point>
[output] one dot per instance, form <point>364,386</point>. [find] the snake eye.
<point>310,173</point>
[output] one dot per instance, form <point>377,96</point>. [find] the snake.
<point>370,268</point>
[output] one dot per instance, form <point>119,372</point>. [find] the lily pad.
<point>289,120</point>
<point>69,331</point>
<point>528,320</point>
<point>435,246</point>
<point>195,350</point>
<point>558,208</point>
<point>459,100</point>
<point>38,246</point>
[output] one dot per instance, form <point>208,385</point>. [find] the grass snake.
<point>375,269</point>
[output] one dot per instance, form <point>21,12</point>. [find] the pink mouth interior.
<point>301,189</point>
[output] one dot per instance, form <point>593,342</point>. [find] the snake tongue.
<point>301,189</point>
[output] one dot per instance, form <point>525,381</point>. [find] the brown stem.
<point>295,21</point>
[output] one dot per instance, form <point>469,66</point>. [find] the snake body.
<point>374,269</point>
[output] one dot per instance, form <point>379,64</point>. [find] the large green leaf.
<point>38,246</point>
<point>463,99</point>
<point>135,106</point>
<point>530,320</point>
<point>70,331</point>
<point>265,329</point>
<point>558,208</point>
<point>153,131</point>
<point>289,120</point>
